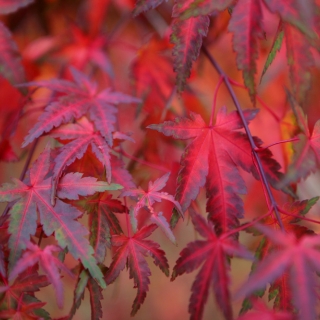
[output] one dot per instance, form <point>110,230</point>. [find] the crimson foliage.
<point>96,111</point>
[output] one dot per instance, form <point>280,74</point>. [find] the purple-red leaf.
<point>211,160</point>
<point>299,257</point>
<point>73,185</point>
<point>147,200</point>
<point>79,98</point>
<point>49,263</point>
<point>133,250</point>
<point>212,255</point>
<point>246,26</point>
<point>33,196</point>
<point>187,39</point>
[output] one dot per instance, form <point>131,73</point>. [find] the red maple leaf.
<point>47,261</point>
<point>147,199</point>
<point>79,98</point>
<point>212,253</point>
<point>187,39</point>
<point>132,250</point>
<point>19,294</point>
<point>103,222</point>
<point>82,49</point>
<point>300,258</point>
<point>211,159</point>
<point>246,26</point>
<point>280,289</point>
<point>32,195</point>
<point>85,281</point>
<point>84,136</point>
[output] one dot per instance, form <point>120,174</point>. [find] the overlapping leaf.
<point>132,250</point>
<point>147,199</point>
<point>245,24</point>
<point>82,49</point>
<point>187,39</point>
<point>211,160</point>
<point>290,215</point>
<point>85,281</point>
<point>299,257</point>
<point>103,222</point>
<point>33,195</point>
<point>212,255</point>
<point>80,97</point>
<point>83,135</point>
<point>300,61</point>
<point>19,294</point>
<point>49,264</point>
<point>247,28</point>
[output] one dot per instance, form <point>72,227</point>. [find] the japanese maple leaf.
<point>82,135</point>
<point>306,156</point>
<point>132,250</point>
<point>32,195</point>
<point>187,39</point>
<point>299,56</point>
<point>102,221</point>
<point>211,159</point>
<point>212,253</point>
<point>246,26</point>
<point>8,6</point>
<point>247,29</point>
<point>85,281</point>
<point>290,214</point>
<point>19,294</point>
<point>300,258</point>
<point>47,261</point>
<point>82,49</point>
<point>147,199</point>
<point>300,61</point>
<point>79,97</point>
